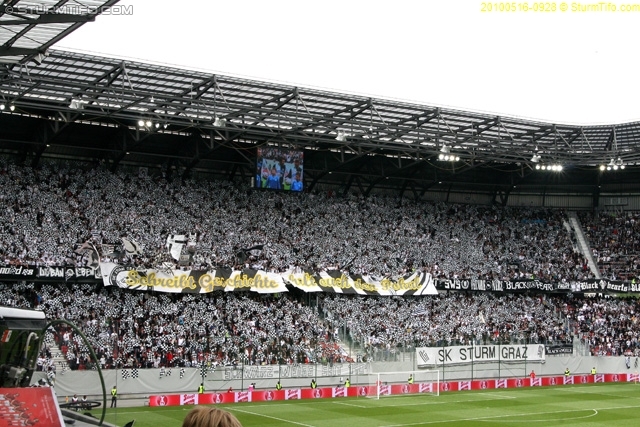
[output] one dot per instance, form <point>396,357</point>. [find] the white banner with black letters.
<point>455,355</point>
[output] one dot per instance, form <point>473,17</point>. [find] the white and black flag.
<point>244,253</point>
<point>89,250</point>
<point>131,247</point>
<point>174,245</point>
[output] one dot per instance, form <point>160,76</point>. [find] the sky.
<point>561,67</point>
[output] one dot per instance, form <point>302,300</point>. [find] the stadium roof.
<point>218,118</point>
<point>29,28</point>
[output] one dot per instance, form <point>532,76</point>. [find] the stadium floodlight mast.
<point>551,168</point>
<point>77,104</point>
<point>147,124</point>
<point>446,156</point>
<point>613,165</point>
<point>3,105</point>
<point>219,122</point>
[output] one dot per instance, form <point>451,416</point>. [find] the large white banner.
<point>191,281</point>
<point>202,281</point>
<point>414,284</point>
<point>429,356</point>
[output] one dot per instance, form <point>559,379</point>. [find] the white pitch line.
<point>594,391</point>
<point>444,402</point>
<point>351,404</point>
<point>493,417</point>
<point>500,395</point>
<point>595,412</point>
<point>269,416</point>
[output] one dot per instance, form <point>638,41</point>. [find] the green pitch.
<point>612,404</point>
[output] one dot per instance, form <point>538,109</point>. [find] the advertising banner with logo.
<point>432,356</point>
<point>387,389</point>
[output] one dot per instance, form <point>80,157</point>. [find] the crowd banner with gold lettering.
<point>330,281</point>
<point>202,281</point>
<point>334,281</point>
<point>191,281</point>
<point>454,355</point>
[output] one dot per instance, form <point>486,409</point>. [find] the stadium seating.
<point>51,211</point>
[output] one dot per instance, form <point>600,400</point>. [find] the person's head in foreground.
<point>209,416</point>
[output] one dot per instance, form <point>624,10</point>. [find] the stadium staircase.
<point>579,347</point>
<point>583,245</point>
<point>58,356</point>
<point>59,359</point>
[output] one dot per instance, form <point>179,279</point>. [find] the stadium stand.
<point>53,210</point>
<point>615,242</point>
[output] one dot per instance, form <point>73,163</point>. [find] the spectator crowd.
<point>608,327</point>
<point>49,212</point>
<point>448,319</point>
<point>143,330</point>
<point>614,239</point>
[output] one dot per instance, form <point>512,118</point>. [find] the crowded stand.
<point>451,319</point>
<point>614,238</point>
<point>607,326</point>
<point>146,330</point>
<point>51,212</point>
